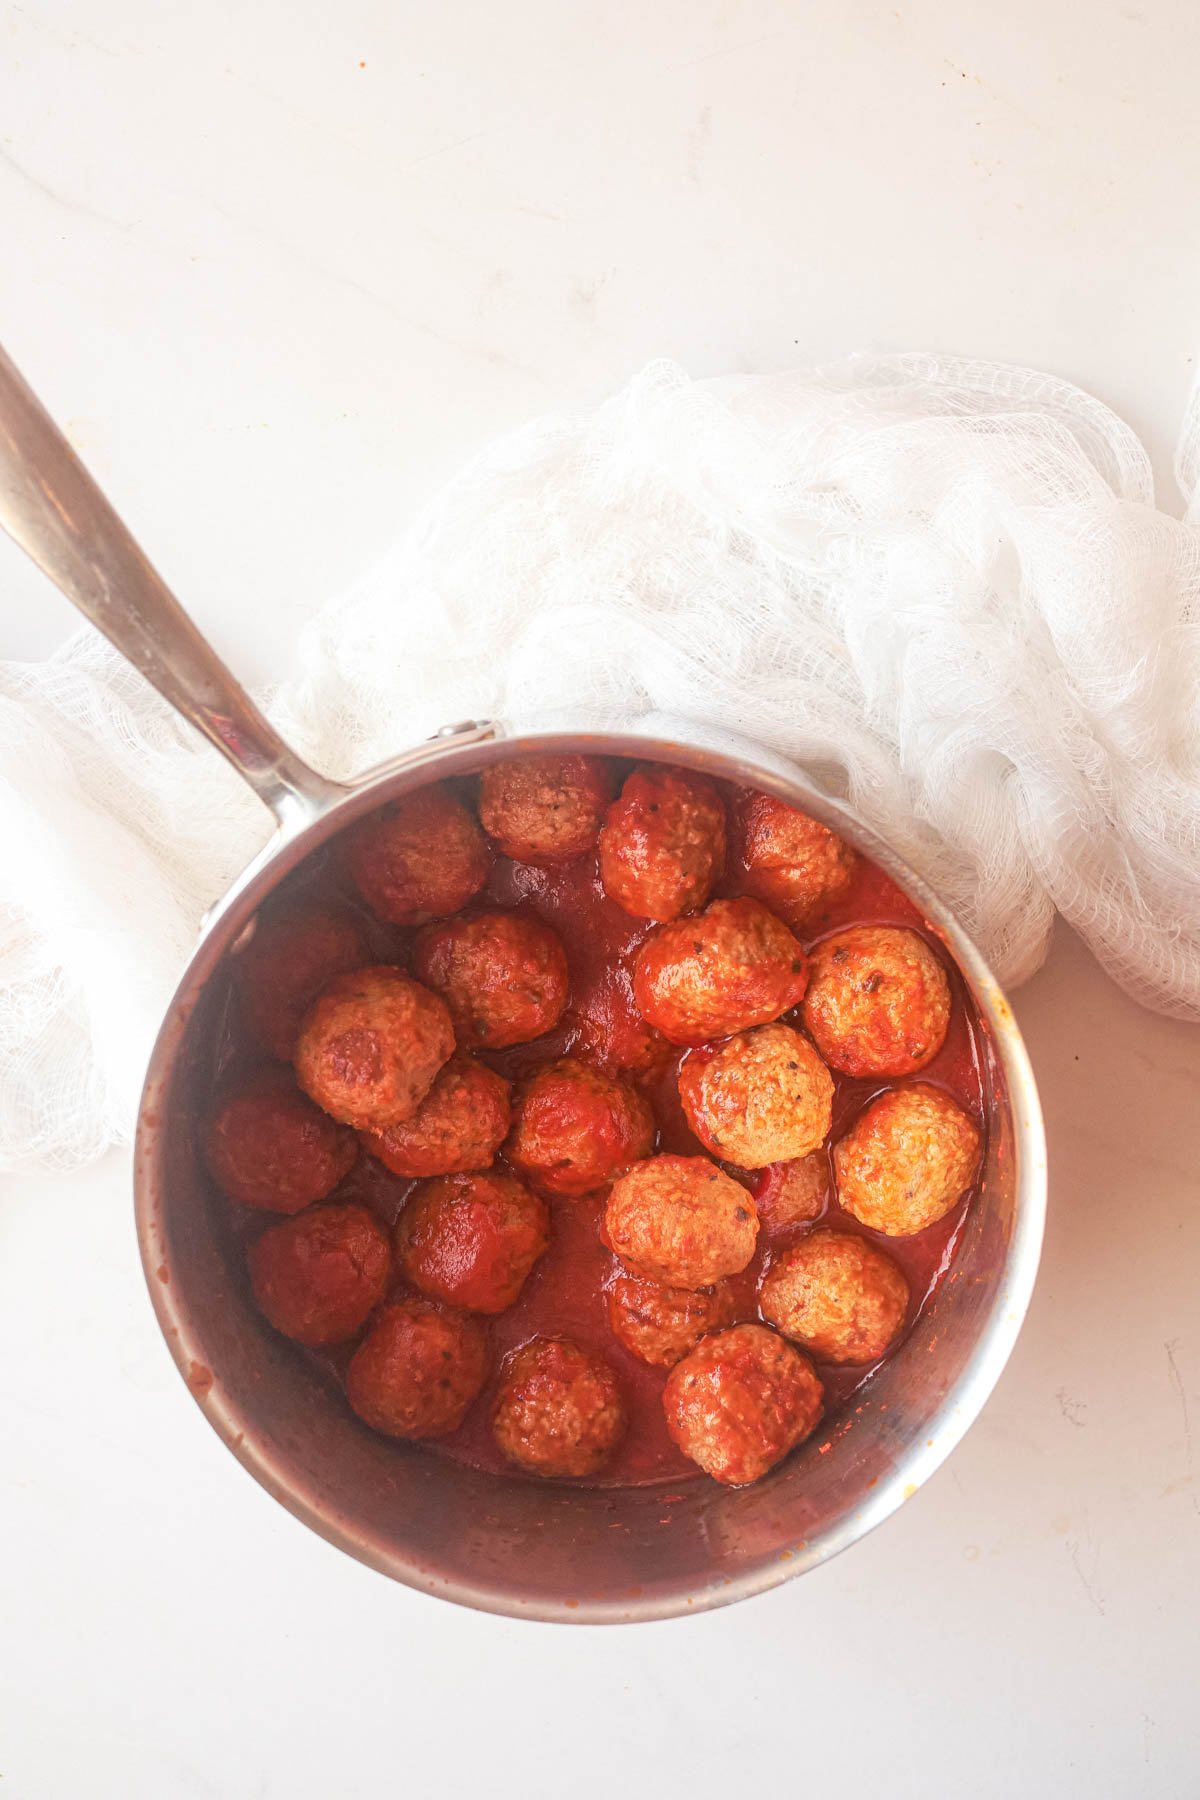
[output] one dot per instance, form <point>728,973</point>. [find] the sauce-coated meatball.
<point>839,1296</point>
<point>459,1126</point>
<point>793,862</point>
<point>740,1401</point>
<point>682,1221</point>
<point>544,809</point>
<point>907,1160</point>
<point>503,976</point>
<point>267,1145</point>
<point>764,1096</point>
<point>878,1001</point>
<point>559,1410</point>
<point>417,1370</point>
<point>732,966</point>
<point>421,858</point>
<point>793,1193</point>
<point>607,1028</point>
<point>574,1128</point>
<point>319,1277</point>
<point>663,843</point>
<point>371,1045</point>
<point>291,956</point>
<point>661,1324</point>
<point>472,1239</point>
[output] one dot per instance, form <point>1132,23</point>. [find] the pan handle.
<point>54,510</point>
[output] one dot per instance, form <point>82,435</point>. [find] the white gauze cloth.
<point>942,586</point>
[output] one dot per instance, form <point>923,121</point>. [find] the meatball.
<point>459,1126</point>
<point>544,809</point>
<point>764,1096</point>
<point>417,1370</point>
<point>740,1401</point>
<point>793,862</point>
<point>732,966</point>
<point>559,1410</point>
<point>681,1220</point>
<point>839,1296</point>
<point>503,976</point>
<point>663,843</point>
<point>575,1128</point>
<point>371,1045</point>
<point>472,1239</point>
<point>793,1193</point>
<point>878,1002</point>
<point>906,1160</point>
<point>290,957</point>
<point>267,1145</point>
<point>419,859</point>
<point>661,1324</point>
<point>319,1277</point>
<point>607,1028</point>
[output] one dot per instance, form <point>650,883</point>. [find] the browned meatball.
<point>559,1410</point>
<point>878,1001</point>
<point>732,966</point>
<point>663,843</point>
<point>793,862</point>
<point>740,1401</point>
<point>574,1128</point>
<point>417,1370</point>
<point>266,1145</point>
<point>661,1324</point>
<point>906,1160</point>
<point>371,1045</point>
<point>764,1096</point>
<point>420,858</point>
<point>544,809</point>
<point>291,956</point>
<point>459,1126</point>
<point>472,1239</point>
<point>681,1220</point>
<point>320,1276</point>
<point>839,1296</point>
<point>503,976</point>
<point>792,1193</point>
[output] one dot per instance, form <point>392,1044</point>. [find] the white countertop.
<point>279,268</point>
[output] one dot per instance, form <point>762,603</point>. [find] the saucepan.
<point>503,1544</point>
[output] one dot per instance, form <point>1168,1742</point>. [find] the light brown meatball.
<point>681,1220</point>
<point>661,1324</point>
<point>793,862</point>
<point>574,1128</point>
<point>420,858</point>
<point>732,966</point>
<point>291,956</point>
<point>544,809</point>
<point>764,1096</point>
<point>878,1001</point>
<point>472,1239</point>
<point>417,1370</point>
<point>371,1045</point>
<point>740,1401</point>
<point>320,1276</point>
<point>663,843</point>
<point>839,1296</point>
<point>559,1410</point>
<point>906,1160</point>
<point>793,1193</point>
<point>459,1126</point>
<point>266,1145</point>
<point>503,976</point>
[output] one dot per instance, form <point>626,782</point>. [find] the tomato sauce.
<point>566,1292</point>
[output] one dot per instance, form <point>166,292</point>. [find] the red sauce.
<point>565,1294</point>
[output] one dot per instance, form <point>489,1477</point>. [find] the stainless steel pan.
<point>503,1544</point>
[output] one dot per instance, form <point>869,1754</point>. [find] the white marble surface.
<point>280,267</point>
